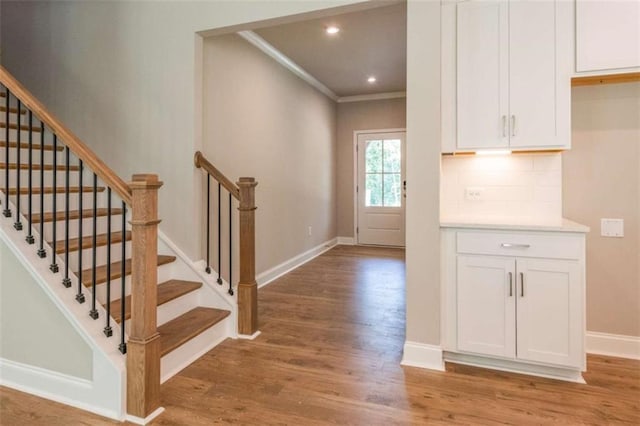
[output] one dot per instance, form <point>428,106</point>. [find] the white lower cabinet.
<point>519,308</point>
<point>504,301</point>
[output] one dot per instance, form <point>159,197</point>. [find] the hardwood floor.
<point>329,353</point>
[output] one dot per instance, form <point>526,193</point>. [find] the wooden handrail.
<point>202,162</point>
<point>79,149</point>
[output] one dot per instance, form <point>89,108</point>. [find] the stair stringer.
<point>105,394</point>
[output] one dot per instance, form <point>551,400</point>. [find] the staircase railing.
<point>140,196</point>
<point>244,193</point>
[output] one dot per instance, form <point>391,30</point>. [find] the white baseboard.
<point>146,420</point>
<point>287,266</point>
<point>346,241</point>
<point>51,385</point>
<point>249,336</point>
<point>613,345</point>
<point>423,356</point>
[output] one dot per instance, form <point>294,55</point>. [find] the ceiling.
<point>370,43</point>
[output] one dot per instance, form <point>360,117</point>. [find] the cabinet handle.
<point>510,284</point>
<point>513,125</point>
<point>511,245</point>
<point>504,126</point>
<point>521,284</point>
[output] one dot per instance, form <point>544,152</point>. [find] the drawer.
<point>517,244</point>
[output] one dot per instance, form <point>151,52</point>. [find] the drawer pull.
<point>510,245</point>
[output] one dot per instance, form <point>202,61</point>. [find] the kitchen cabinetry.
<point>506,75</point>
<point>515,297</point>
<point>607,36</point>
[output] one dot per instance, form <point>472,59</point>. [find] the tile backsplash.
<point>523,186</point>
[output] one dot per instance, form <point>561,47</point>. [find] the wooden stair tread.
<point>87,242</point>
<point>101,271</point>
<point>13,110</point>
<point>75,214</point>
<point>187,326</point>
<point>25,145</point>
<point>59,190</point>
<point>167,292</point>
<point>22,127</point>
<point>36,167</point>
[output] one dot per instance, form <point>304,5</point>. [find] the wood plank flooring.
<point>329,353</point>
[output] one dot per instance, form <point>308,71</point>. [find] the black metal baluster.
<point>219,280</point>
<point>17,225</point>
<point>208,268</point>
<point>230,248</point>
<point>7,211</point>
<point>42,253</point>
<point>66,281</point>
<point>80,295</point>
<point>107,329</point>
<point>123,345</point>
<point>29,239</point>
<point>54,266</point>
<point>93,313</point>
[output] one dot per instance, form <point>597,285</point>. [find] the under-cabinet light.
<point>493,152</point>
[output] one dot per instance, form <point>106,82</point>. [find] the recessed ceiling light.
<point>371,79</point>
<point>333,30</point>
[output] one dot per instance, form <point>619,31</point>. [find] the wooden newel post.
<point>143,348</point>
<point>247,286</point>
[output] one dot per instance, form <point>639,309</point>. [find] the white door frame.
<point>357,133</point>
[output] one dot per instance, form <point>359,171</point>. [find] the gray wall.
<point>352,116</point>
<point>601,179</point>
<point>263,121</point>
<point>33,331</point>
<point>125,77</point>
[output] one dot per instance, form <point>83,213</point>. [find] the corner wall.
<point>261,120</point>
<point>601,179</point>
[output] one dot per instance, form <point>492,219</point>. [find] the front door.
<point>380,189</point>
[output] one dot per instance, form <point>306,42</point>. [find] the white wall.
<point>261,120</point>
<point>522,186</point>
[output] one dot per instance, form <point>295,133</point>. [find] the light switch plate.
<point>612,228</point>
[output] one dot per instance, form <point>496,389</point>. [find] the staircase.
<point>98,235</point>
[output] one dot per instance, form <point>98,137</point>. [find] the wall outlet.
<point>473,193</point>
<point>310,231</point>
<point>612,228</point>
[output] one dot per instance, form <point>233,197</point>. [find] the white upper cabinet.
<point>509,73</point>
<point>607,36</point>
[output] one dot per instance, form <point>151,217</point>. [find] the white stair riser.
<point>164,274</point>
<point>87,226</point>
<point>74,178</point>
<point>35,156</point>
<point>60,201</point>
<point>174,308</point>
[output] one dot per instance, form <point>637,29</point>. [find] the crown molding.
<point>285,61</point>
<point>372,97</point>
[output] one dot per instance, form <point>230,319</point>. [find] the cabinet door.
<point>607,34</point>
<point>533,111</point>
<point>549,311</point>
<point>486,305</point>
<point>482,80</point>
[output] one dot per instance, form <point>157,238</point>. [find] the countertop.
<point>513,224</point>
